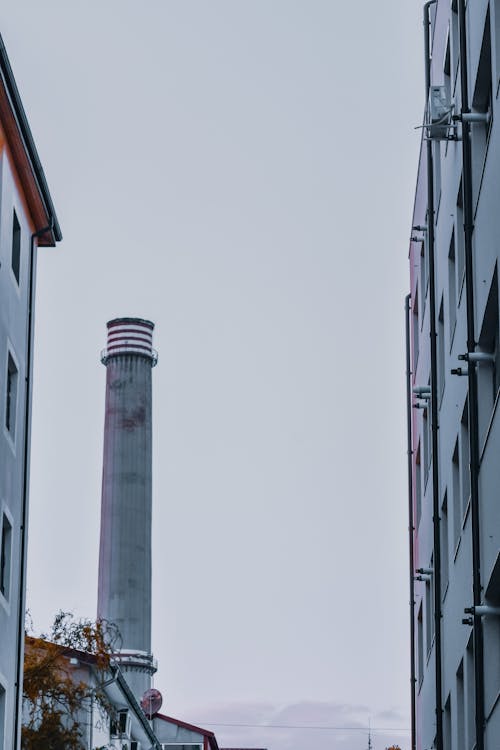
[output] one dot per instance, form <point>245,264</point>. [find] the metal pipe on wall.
<point>28,367</point>
<point>468,211</point>
<point>434,400</point>
<point>410,521</point>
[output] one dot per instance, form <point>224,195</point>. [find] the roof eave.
<point>9,93</point>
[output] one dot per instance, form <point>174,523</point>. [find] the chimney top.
<point>130,336</point>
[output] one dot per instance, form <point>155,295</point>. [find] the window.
<point>418,487</point>
<point>457,497</point>
<point>5,557</point>
<point>16,247</point>
<point>447,725</point>
<point>460,708</point>
<point>447,67</point>
<point>488,373</point>
<point>426,429</point>
<point>429,612</point>
<point>481,102</point>
<point>460,241</point>
<point>455,42</point>
<point>436,155</point>
<point>424,277</point>
<point>497,35</point>
<point>440,352</point>
<point>445,553</point>
<point>415,328</point>
<point>2,717</point>
<point>420,646</point>
<point>470,693</point>
<point>452,286</point>
<point>465,456</point>
<point>11,396</point>
<point>121,725</point>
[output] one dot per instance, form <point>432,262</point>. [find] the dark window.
<point>426,430</point>
<point>16,246</point>
<point>11,396</point>
<point>2,716</point>
<point>481,102</point>
<point>455,42</point>
<point>418,487</point>
<point>425,435</point>
<point>429,610</point>
<point>5,556</point>
<point>447,67</point>
<point>424,277</point>
<point>452,286</point>
<point>440,351</point>
<point>460,241</point>
<point>445,552</point>
<point>447,725</point>
<point>457,497</point>
<point>488,373</point>
<point>120,726</point>
<point>460,708</point>
<point>420,646</point>
<point>465,456</point>
<point>497,36</point>
<point>415,328</point>
<point>436,148</point>
<point>470,693</point>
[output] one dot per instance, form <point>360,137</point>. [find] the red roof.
<point>210,736</point>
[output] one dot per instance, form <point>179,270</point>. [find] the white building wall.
<point>456,569</point>
<point>13,342</point>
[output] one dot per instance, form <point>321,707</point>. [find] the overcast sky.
<point>242,173</point>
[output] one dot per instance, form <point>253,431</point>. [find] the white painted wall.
<point>13,331</point>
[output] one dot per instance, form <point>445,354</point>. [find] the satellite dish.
<point>151,702</point>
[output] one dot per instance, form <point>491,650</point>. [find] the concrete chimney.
<point>124,593</point>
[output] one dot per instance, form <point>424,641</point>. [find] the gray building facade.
<point>454,378</point>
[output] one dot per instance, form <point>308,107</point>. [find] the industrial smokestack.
<point>124,593</point>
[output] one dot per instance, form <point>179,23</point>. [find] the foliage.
<point>64,673</point>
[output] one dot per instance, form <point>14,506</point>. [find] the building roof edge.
<point>23,127</point>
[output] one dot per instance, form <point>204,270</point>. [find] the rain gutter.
<point>434,395</point>
<point>472,385</point>
<point>411,528</point>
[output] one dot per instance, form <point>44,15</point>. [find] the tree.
<point>57,695</point>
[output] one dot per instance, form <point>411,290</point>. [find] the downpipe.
<point>434,397</point>
<point>472,384</point>
<point>28,373</point>
<point>411,528</point>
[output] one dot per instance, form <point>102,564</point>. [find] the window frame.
<point>6,540</point>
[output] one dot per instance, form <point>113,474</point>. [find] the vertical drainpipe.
<point>434,399</point>
<point>28,373</point>
<point>410,520</point>
<point>472,385</point>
